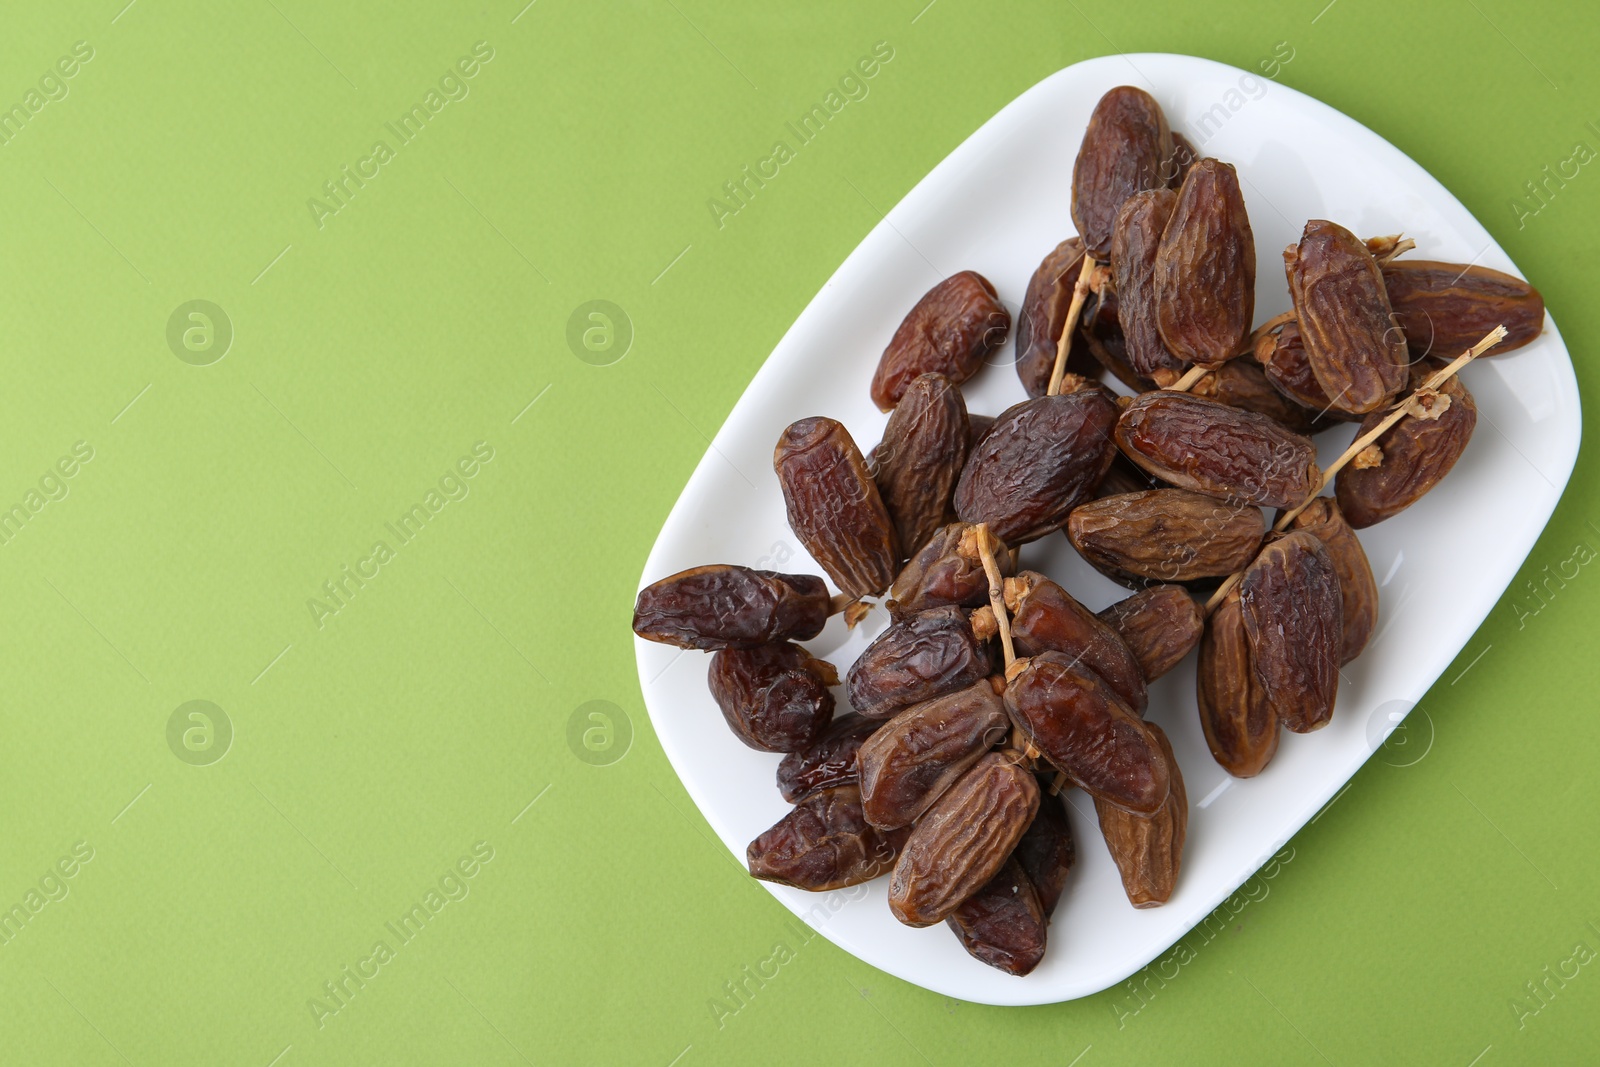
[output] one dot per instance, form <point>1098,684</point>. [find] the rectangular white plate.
<point>997,204</point>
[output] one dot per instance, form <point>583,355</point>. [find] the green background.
<point>372,753</point>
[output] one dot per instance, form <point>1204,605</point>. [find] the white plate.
<point>997,204</point>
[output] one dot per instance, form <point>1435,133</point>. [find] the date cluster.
<point>993,690</point>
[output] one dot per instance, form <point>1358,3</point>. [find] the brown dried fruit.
<point>1357,587</point>
<point>947,570</point>
<point>1148,850</point>
<point>824,843</point>
<point>1087,732</point>
<point>1044,313</point>
<point>922,656</point>
<point>1123,150</point>
<point>917,463</point>
<point>950,331</point>
<point>963,840</point>
<point>726,606</point>
<point>1041,458</point>
<point>831,760</point>
<point>1003,924</point>
<point>1205,270</point>
<point>1046,618</point>
<point>1110,351</point>
<point>1416,455</point>
<point>1243,383</point>
<point>921,751</point>
<point>1211,448</point>
<point>1240,726</point>
<point>834,506</point>
<point>1135,241</point>
<point>1165,535</point>
<point>1293,612</point>
<point>1159,624</point>
<point>1184,156</point>
<point>1354,347</point>
<point>775,697</point>
<point>1446,308</point>
<point>1046,850</point>
<point>1283,360</point>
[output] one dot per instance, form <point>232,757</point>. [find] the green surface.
<point>376,747</point>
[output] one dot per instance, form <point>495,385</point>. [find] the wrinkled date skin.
<point>920,752</point>
<point>1160,624</point>
<point>1446,308</point>
<point>963,840</point>
<point>1003,924</point>
<point>1205,270</point>
<point>775,697</point>
<point>726,606</point>
<point>1293,615</point>
<point>1123,151</point>
<point>1416,455</point>
<point>1087,733</point>
<point>1354,347</point>
<point>1134,244</point>
<point>1168,535</point>
<point>824,843</point>
<point>834,506</point>
<point>1240,726</point>
<point>1149,851</point>
<point>1283,360</point>
<point>917,463</point>
<point>1041,459</point>
<point>921,657</point>
<point>1043,315</point>
<point>947,570</point>
<point>1243,383</point>
<point>950,331</point>
<point>1357,587</point>
<point>1046,618</point>
<point>831,760</point>
<point>1109,351</point>
<point>1211,448</point>
<point>1046,850</point>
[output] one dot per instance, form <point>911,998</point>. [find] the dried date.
<point>1293,613</point>
<point>1211,448</point>
<point>775,697</point>
<point>1135,240</point>
<point>727,606</point>
<point>962,840</point>
<point>921,657</point>
<point>1003,924</point>
<point>1044,314</point>
<point>1355,350</point>
<point>947,570</point>
<point>1041,458</point>
<point>951,331</point>
<point>1046,618</point>
<point>1123,151</point>
<point>1240,726</point>
<point>824,843</point>
<point>1046,850</point>
<point>1165,535</point>
<point>1446,308</point>
<point>1148,850</point>
<point>922,750</point>
<point>834,506</point>
<point>1159,624</point>
<point>917,463</point>
<point>1243,383</point>
<point>1088,733</point>
<point>1410,458</point>
<point>830,760</point>
<point>1205,269</point>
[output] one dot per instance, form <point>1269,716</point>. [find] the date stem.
<point>1194,374</point>
<point>997,598</point>
<point>1088,276</point>
<point>1416,404</point>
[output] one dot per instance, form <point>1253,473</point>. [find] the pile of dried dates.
<point>993,690</point>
